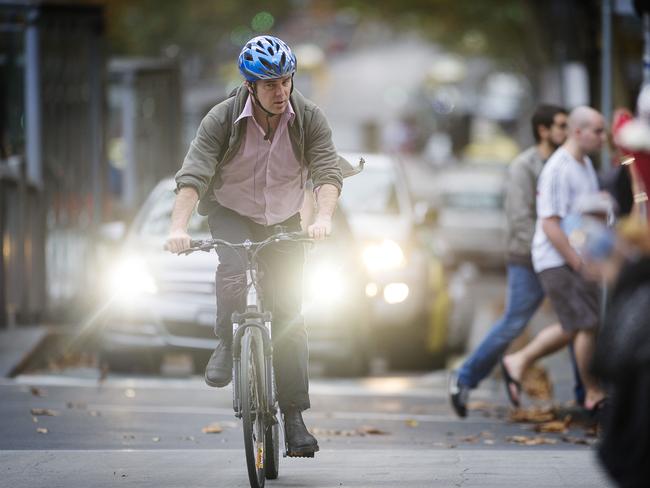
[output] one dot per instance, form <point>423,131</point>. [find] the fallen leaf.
<point>41,430</point>
<point>212,429</point>
<point>558,426</point>
<point>530,441</point>
<point>370,430</point>
<point>472,439</point>
<point>579,440</point>
<point>39,392</point>
<point>44,411</point>
<point>532,414</point>
<point>412,423</point>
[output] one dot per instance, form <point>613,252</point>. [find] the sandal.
<point>510,381</point>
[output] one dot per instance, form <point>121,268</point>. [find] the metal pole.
<point>606,76</point>
<point>646,48</point>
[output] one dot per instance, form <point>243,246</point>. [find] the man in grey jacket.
<point>524,292</point>
<point>248,165</point>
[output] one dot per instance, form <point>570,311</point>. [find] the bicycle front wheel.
<point>252,388</point>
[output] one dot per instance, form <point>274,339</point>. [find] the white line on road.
<point>426,386</point>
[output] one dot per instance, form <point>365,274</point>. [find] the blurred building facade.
<point>51,161</point>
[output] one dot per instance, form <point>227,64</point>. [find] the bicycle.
<point>254,392</point>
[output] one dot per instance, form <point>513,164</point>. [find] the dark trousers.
<point>281,268</point>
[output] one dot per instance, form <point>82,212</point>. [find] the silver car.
<point>157,303</point>
<point>405,283</point>
<point>471,222</point>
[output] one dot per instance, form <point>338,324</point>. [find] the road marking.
<point>311,414</point>
<point>427,386</point>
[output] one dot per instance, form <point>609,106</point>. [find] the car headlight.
<point>396,293</point>
<point>130,278</point>
<point>385,255</point>
<point>326,284</point>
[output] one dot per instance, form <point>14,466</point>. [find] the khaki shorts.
<point>576,301</point>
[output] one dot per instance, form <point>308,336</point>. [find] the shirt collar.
<point>248,111</point>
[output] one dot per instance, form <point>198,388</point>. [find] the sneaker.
<point>458,395</point>
<point>218,372</point>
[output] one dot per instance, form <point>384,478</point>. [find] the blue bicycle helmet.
<point>266,58</point>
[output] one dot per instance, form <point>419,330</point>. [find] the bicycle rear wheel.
<point>252,388</point>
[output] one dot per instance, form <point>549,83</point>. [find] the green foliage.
<point>145,27</point>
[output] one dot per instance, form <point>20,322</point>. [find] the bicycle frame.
<point>253,321</point>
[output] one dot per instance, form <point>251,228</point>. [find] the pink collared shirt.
<point>264,181</point>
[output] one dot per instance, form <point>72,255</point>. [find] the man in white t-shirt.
<point>567,177</point>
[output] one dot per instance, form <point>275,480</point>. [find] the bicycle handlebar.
<point>209,244</point>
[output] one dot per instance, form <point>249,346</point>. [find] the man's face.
<point>274,94</point>
<point>593,135</point>
<point>557,132</point>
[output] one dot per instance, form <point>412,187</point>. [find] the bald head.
<point>586,130</point>
<point>581,117</point>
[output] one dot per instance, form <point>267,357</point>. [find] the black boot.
<point>300,443</point>
<point>218,372</point>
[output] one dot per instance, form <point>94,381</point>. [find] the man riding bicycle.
<point>248,166</point>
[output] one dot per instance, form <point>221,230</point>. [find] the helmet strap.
<point>253,91</point>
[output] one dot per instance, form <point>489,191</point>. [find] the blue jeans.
<point>524,296</point>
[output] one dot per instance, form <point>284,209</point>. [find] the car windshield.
<point>473,201</point>
<point>373,191</point>
<point>156,221</point>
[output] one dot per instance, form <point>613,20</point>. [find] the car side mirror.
<point>426,215</point>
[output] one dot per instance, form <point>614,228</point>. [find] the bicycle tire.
<point>252,387</point>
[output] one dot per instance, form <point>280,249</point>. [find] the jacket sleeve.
<point>201,159</point>
<point>520,202</point>
<point>320,152</point>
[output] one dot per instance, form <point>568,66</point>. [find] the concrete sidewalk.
<point>17,344</point>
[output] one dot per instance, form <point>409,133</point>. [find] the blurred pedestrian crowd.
<point>581,239</point>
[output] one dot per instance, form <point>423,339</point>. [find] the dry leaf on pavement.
<point>41,430</point>
<point>532,414</point>
<point>39,392</point>
<point>412,423</point>
<point>44,411</point>
<point>214,428</point>
<point>371,430</point>
<point>530,441</point>
<point>558,426</point>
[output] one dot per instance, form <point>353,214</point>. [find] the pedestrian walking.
<point>567,179</point>
<point>524,292</point>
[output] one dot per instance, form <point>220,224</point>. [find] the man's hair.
<point>544,116</point>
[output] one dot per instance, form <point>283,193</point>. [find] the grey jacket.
<point>219,138</point>
<point>521,193</point>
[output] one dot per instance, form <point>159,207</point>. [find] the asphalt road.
<point>71,429</point>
